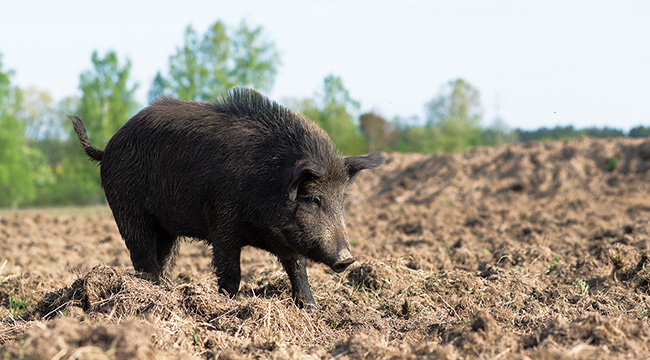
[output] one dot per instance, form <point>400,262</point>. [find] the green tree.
<point>547,134</point>
<point>37,112</point>
<point>255,59</point>
<point>333,111</point>
<point>107,102</point>
<point>498,133</point>
<point>43,131</point>
<point>418,139</point>
<point>603,133</point>
<point>16,180</point>
<point>639,132</point>
<point>206,66</point>
<point>49,129</point>
<point>454,117</point>
<point>49,144</point>
<point>108,99</point>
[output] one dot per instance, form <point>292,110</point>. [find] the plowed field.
<point>533,251</point>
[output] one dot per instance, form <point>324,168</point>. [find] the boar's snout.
<point>339,266</point>
<point>343,257</point>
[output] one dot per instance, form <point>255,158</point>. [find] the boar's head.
<point>316,226</point>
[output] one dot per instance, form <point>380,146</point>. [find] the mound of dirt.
<point>89,292</point>
<point>590,336</point>
<point>545,169</point>
<point>534,251</point>
<point>66,338</point>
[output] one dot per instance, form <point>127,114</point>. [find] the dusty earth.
<point>534,251</point>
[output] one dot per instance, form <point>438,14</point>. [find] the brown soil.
<point>535,251</point>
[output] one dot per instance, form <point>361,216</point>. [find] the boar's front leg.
<point>226,262</point>
<point>297,271</point>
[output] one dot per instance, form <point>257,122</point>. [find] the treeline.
<point>569,132</point>
<point>41,162</point>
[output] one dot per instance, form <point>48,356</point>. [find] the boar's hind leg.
<point>297,271</point>
<point>166,251</point>
<point>226,262</point>
<point>140,236</point>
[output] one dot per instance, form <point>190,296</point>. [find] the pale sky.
<point>581,63</point>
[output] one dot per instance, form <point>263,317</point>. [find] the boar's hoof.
<point>339,266</point>
<point>306,305</point>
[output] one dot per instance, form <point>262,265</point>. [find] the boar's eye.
<point>314,200</point>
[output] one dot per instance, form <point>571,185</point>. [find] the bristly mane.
<point>247,103</point>
<point>244,101</point>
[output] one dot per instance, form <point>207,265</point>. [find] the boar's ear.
<point>355,164</point>
<point>304,171</point>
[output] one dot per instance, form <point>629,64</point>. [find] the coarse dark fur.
<point>240,171</point>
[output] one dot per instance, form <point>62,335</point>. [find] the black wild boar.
<point>240,171</point>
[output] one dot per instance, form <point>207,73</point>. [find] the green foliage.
<point>333,111</point>
<point>206,66</point>
<point>639,132</point>
<point>419,139</point>
<point>611,163</point>
<point>107,102</point>
<point>553,264</point>
<point>564,133</point>
<point>196,337</point>
<point>454,117</point>
<point>17,305</point>
<point>16,180</point>
<point>498,134</point>
<point>453,120</point>
<point>602,133</point>
<point>52,138</point>
<point>544,133</point>
<point>459,101</point>
<point>16,184</point>
<point>582,286</point>
<point>256,60</point>
<point>37,113</point>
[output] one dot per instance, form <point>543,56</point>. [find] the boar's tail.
<point>93,153</point>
